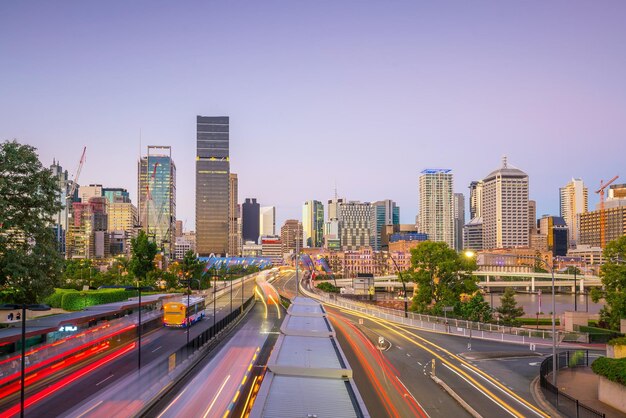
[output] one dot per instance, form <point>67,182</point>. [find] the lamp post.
<point>406,302</point>
<point>214,300</point>
<point>24,307</point>
<point>231,291</point>
<point>551,267</point>
<point>138,289</point>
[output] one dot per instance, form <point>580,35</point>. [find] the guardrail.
<point>562,401</point>
<point>452,326</point>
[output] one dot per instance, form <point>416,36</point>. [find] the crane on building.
<point>72,190</point>
<point>600,191</point>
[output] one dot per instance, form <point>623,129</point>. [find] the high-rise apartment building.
<point>354,225</point>
<point>313,223</point>
<point>267,221</point>
<point>573,199</point>
<point>436,215</point>
<point>234,236</point>
<point>475,199</point>
<point>64,186</point>
<point>532,217</point>
<point>505,208</point>
<point>87,235</point>
<point>212,185</point>
<point>459,220</point>
<point>384,212</point>
<point>250,210</point>
<point>291,236</point>
<point>156,173</point>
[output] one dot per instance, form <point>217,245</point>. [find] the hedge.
<point>617,341</point>
<point>613,369</point>
<point>533,321</point>
<point>76,301</point>
<point>55,299</point>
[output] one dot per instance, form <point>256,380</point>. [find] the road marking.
<point>172,403</point>
<point>409,392</point>
<point>102,381</point>
<point>157,349</point>
<point>408,354</point>
<point>419,363</point>
<point>478,389</point>
<point>534,363</point>
<point>90,409</point>
<point>206,413</point>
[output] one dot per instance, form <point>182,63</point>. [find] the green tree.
<point>442,275</point>
<point>143,252</point>
<point>30,265</point>
<point>508,309</point>
<point>191,268</point>
<point>613,275</point>
<point>476,309</point>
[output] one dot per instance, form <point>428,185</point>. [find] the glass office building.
<point>212,185</point>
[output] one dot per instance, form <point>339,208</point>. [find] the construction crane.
<point>70,195</point>
<point>600,191</point>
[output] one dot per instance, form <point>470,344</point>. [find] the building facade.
<point>250,213</point>
<point>505,208</point>
<point>436,206</point>
<point>115,194</point>
<point>267,220</point>
<point>157,197</point>
<point>614,226</point>
<point>475,199</point>
<point>573,200</point>
<point>556,232</point>
<point>63,188</point>
<point>234,213</point>
<point>313,223</point>
<point>384,212</point>
<point>212,185</point>
<point>459,220</point>
<point>291,236</point>
<point>354,225</point>
<point>87,192</point>
<point>87,236</point>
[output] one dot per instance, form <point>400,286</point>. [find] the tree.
<point>508,309</point>
<point>192,268</point>
<point>613,275</point>
<point>143,252</point>
<point>442,275</point>
<point>30,265</point>
<point>476,309</point>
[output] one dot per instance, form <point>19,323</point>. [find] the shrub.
<point>327,287</point>
<point>75,301</point>
<point>617,341</point>
<point>611,368</point>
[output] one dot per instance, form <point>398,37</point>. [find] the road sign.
<point>381,341</point>
<point>448,308</point>
<point>360,321</point>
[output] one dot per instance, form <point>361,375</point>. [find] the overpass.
<point>529,280</point>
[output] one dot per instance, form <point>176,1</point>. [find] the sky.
<point>360,96</point>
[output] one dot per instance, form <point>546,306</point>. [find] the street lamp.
<point>138,289</point>
<point>471,254</point>
<point>24,307</point>
<point>406,302</point>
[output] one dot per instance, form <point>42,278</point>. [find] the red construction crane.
<point>600,191</point>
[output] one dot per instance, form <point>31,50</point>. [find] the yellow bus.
<point>175,313</point>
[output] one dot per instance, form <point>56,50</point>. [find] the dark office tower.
<point>250,220</point>
<point>212,185</point>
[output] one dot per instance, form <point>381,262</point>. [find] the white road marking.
<point>409,392</point>
<point>206,413</point>
<point>157,349</point>
<point>102,381</point>
<point>89,410</point>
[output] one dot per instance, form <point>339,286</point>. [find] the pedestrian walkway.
<point>582,383</point>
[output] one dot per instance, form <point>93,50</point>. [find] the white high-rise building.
<point>573,199</point>
<point>354,225</point>
<point>505,208</point>
<point>267,221</point>
<point>436,215</point>
<point>313,223</point>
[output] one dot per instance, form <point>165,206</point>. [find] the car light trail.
<point>206,413</point>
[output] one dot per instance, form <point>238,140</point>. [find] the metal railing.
<point>563,402</point>
<point>453,326</point>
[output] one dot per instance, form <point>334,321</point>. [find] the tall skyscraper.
<point>459,220</point>
<point>250,213</point>
<point>436,216</point>
<point>157,197</point>
<point>475,199</point>
<point>354,225</point>
<point>573,199</point>
<point>234,236</point>
<point>267,221</point>
<point>384,212</point>
<point>505,208</point>
<point>212,185</point>
<point>64,186</point>
<point>313,223</point>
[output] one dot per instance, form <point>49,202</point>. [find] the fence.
<point>454,326</point>
<point>563,402</point>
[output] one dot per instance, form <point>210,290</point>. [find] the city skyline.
<point>551,99</point>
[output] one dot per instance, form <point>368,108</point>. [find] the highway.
<point>492,378</point>
<point>63,394</point>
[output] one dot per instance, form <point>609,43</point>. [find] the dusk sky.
<point>364,95</point>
